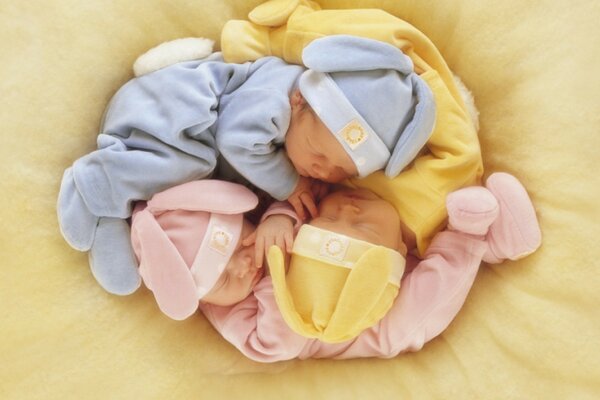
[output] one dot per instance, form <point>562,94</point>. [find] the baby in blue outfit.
<point>356,107</point>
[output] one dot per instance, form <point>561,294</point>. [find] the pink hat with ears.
<point>184,237</point>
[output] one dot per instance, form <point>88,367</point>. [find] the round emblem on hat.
<point>334,247</point>
<point>354,134</point>
<point>220,240</point>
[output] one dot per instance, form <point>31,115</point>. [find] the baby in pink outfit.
<point>187,240</point>
<point>490,224</point>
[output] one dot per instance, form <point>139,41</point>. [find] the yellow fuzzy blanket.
<point>529,330</point>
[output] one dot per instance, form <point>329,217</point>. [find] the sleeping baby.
<point>357,107</point>
<point>188,241</point>
<point>350,289</point>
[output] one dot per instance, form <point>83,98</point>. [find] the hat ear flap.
<point>345,53</point>
<point>209,195</point>
<point>273,12</point>
<point>363,300</point>
<point>417,132</point>
<point>163,269</point>
<point>283,296</point>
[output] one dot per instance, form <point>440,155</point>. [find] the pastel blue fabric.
<point>190,120</point>
<point>379,81</point>
<point>170,127</point>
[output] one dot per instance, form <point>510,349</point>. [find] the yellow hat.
<point>336,286</point>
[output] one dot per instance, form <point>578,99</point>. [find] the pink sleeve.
<point>255,326</point>
<point>282,207</point>
<point>430,297</point>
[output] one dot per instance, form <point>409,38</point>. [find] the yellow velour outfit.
<point>283,28</point>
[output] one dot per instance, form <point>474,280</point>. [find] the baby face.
<point>361,214</point>
<point>312,148</point>
<point>239,277</point>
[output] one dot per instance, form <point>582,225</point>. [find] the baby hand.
<point>319,189</point>
<point>276,230</point>
<point>303,196</point>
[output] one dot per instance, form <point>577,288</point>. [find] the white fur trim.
<point>469,100</point>
<point>172,52</point>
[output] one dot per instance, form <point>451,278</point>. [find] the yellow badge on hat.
<point>220,239</point>
<point>354,134</point>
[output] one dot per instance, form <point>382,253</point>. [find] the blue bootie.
<point>111,257</point>
<point>77,224</point>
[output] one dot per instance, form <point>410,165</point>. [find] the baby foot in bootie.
<point>516,232</point>
<point>111,257</point>
<point>471,210</point>
<point>77,224</point>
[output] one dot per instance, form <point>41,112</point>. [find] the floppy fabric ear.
<point>344,53</point>
<point>364,299</point>
<point>273,12</point>
<point>283,297</point>
<point>164,270</point>
<point>417,132</point>
<point>209,195</point>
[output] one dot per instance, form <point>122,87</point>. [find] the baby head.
<point>345,267</point>
<point>358,108</point>
<point>188,243</point>
<point>361,214</point>
<point>239,276</point>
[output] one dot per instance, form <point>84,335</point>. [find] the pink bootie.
<point>515,233</point>
<point>471,210</point>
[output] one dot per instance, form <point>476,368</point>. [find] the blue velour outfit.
<point>182,122</point>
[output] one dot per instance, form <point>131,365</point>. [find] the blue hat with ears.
<point>367,94</point>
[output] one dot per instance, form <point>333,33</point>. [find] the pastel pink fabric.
<point>184,237</point>
<point>516,232</point>
<point>472,210</point>
<point>432,291</point>
<point>431,296</point>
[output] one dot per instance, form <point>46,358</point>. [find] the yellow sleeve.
<point>452,158</point>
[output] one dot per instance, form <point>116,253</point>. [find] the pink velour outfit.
<point>489,224</point>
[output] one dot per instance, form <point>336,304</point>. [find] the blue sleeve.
<point>158,131</point>
<point>251,135</point>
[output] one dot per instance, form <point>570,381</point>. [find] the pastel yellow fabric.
<point>453,159</point>
<point>335,286</point>
<point>529,329</point>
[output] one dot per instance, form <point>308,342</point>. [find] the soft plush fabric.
<point>529,329</point>
<point>335,286</point>
<point>432,291</point>
<point>184,237</point>
<point>453,158</point>
<point>344,83</point>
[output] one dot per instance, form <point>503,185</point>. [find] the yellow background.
<point>529,330</point>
